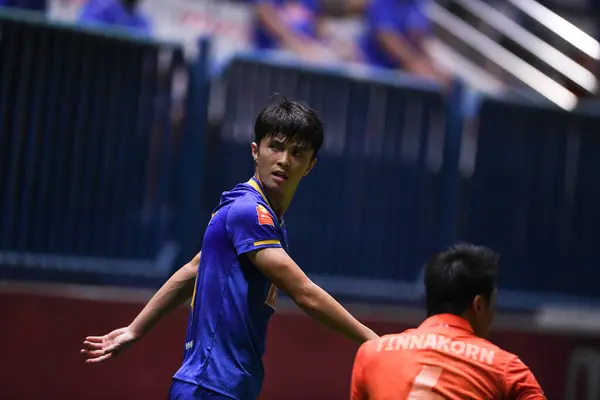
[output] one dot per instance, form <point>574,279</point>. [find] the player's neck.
<point>278,201</point>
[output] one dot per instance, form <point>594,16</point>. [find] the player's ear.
<point>479,305</point>
<point>254,148</point>
<point>312,164</point>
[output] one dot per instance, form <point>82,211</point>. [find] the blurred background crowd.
<point>486,43</point>
<point>122,121</point>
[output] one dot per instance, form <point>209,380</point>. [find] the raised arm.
<point>173,293</point>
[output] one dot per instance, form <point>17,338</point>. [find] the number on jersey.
<point>422,388</point>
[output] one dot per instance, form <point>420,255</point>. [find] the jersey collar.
<point>258,187</point>
<point>451,320</point>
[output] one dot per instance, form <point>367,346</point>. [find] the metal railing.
<point>540,81</point>
<point>88,148</point>
<point>532,43</point>
<point>563,28</point>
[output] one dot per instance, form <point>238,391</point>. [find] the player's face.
<point>282,165</point>
<point>484,314</point>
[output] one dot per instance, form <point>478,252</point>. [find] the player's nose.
<point>284,160</point>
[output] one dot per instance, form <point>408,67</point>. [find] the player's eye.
<point>276,146</point>
<point>300,152</point>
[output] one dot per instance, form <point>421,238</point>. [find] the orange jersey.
<point>441,359</point>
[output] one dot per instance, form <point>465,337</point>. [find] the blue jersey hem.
<point>205,386</point>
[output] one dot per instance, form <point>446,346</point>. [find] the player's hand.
<point>100,348</point>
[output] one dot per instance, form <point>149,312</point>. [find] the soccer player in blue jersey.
<point>237,275</point>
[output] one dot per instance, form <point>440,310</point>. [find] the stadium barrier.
<point>89,148</point>
<point>105,168</point>
<point>533,195</point>
<point>394,182</point>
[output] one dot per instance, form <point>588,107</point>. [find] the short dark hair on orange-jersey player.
<point>454,277</point>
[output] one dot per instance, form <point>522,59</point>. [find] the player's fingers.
<point>92,353</point>
<point>99,359</point>
<point>92,346</point>
<point>94,339</point>
<point>112,349</point>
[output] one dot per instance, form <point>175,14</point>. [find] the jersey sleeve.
<point>520,382</point>
<point>357,390</point>
<point>250,227</point>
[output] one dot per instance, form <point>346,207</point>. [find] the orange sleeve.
<point>520,382</point>
<point>357,390</point>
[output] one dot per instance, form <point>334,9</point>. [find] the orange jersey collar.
<point>448,319</point>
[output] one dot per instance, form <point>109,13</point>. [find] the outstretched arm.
<point>173,293</point>
<point>253,233</point>
<point>314,301</point>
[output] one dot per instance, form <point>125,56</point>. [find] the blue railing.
<point>97,175</point>
<point>534,195</point>
<point>88,148</point>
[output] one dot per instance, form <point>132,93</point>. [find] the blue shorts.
<point>181,390</point>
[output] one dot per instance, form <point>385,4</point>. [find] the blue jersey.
<point>233,301</point>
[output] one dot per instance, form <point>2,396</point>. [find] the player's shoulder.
<point>505,354</point>
<point>240,198</point>
<point>375,346</point>
<point>243,203</point>
<point>367,350</point>
<point>247,205</point>
<point>502,359</point>
<point>511,360</point>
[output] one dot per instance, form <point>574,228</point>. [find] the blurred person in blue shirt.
<point>116,13</point>
<point>395,37</point>
<point>291,25</point>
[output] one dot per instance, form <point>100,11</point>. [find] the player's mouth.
<point>279,176</point>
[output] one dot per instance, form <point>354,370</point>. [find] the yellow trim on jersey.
<point>194,293</point>
<point>264,242</point>
<point>256,186</point>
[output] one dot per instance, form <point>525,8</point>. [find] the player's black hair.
<point>454,277</point>
<point>292,122</point>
